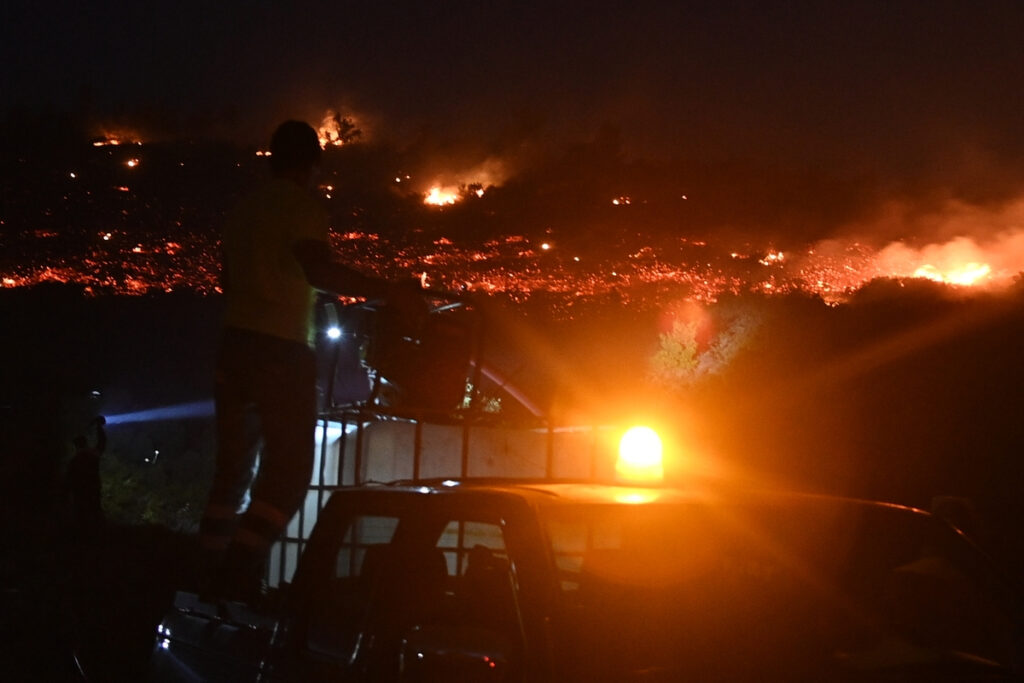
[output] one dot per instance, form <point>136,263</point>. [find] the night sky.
<point>853,108</point>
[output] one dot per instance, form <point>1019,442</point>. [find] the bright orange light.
<point>967,274</point>
<point>441,197</point>
<point>640,456</point>
<point>336,130</point>
<point>636,496</point>
<point>107,137</point>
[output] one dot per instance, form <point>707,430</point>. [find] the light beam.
<point>179,411</point>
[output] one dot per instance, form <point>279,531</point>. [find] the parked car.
<point>533,580</point>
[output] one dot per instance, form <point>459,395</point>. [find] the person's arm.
<point>328,275</point>
<point>405,298</point>
<point>101,435</point>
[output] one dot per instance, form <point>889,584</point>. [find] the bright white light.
<point>334,333</point>
<point>335,430</point>
<point>640,455</point>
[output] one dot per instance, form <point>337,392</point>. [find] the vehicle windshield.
<point>729,592</point>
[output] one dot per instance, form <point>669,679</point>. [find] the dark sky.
<point>895,99</point>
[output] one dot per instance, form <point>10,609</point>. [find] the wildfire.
<point>967,274</point>
<point>450,186</point>
<point>115,137</point>
<point>113,142</point>
<point>438,196</point>
<point>336,130</point>
<point>450,194</point>
<point>562,271</point>
<point>960,261</point>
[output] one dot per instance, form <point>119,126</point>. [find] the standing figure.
<point>83,478</point>
<point>276,258</point>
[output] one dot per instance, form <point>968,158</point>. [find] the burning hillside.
<point>519,268</point>
<point>134,218</point>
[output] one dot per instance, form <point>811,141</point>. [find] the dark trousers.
<point>273,381</point>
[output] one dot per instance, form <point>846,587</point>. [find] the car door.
<point>407,586</point>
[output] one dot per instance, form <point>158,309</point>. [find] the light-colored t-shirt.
<point>265,286</point>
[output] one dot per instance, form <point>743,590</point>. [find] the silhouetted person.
<point>84,480</point>
<point>276,257</point>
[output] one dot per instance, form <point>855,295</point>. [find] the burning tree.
<point>337,130</point>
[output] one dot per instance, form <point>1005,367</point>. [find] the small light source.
<point>640,456</point>
<point>333,324</point>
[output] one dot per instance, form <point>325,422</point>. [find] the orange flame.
<point>438,196</point>
<point>336,130</point>
<point>960,261</point>
<point>966,274</point>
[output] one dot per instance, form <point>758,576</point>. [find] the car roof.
<point>558,491</point>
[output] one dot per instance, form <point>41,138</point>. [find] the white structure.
<point>367,448</point>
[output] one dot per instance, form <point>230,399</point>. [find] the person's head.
<point>294,149</point>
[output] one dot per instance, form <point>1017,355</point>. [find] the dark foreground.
<point>74,605</point>
<point>904,394</point>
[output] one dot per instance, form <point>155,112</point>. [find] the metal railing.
<point>457,442</point>
<point>418,446</point>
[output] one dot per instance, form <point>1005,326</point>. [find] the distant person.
<point>83,480</point>
<point>276,257</point>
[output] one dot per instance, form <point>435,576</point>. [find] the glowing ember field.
<point>132,219</point>
<point>120,262</point>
